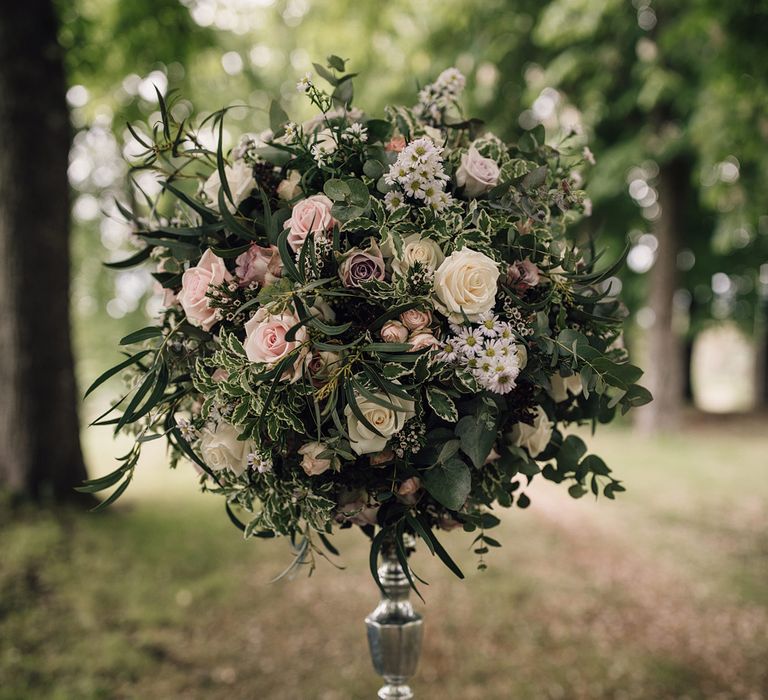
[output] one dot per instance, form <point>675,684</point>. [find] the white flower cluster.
<point>261,462</point>
<point>418,170</point>
<point>305,83</point>
<point>355,132</point>
<point>436,97</point>
<point>488,350</point>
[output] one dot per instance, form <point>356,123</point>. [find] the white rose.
<point>522,355</point>
<point>386,420</point>
<point>560,386</point>
<point>418,249</point>
<point>220,448</point>
<point>476,174</point>
<point>240,181</point>
<point>466,282</point>
<point>311,463</point>
<point>536,437</point>
<point>290,188</point>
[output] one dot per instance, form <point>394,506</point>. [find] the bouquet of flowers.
<point>371,322</point>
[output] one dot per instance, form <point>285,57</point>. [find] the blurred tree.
<point>40,452</point>
<point>672,94</point>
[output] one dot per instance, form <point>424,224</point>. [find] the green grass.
<point>661,594</point>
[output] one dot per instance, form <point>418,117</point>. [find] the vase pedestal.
<point>395,631</point>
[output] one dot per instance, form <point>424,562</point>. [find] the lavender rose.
<point>523,274</point>
<point>476,174</point>
<point>361,266</point>
<point>260,265</point>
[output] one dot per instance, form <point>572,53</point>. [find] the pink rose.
<point>423,340</point>
<point>195,282</point>
<point>395,144</point>
<point>310,215</point>
<point>476,174</point>
<point>220,375</point>
<point>522,274</point>
<point>393,332</point>
<point>415,319</point>
<point>260,265</point>
<point>265,340</point>
<point>361,266</point>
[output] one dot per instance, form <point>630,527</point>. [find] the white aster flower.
<point>393,200</point>
<point>469,341</point>
<point>488,324</point>
<point>448,353</point>
<point>501,382</point>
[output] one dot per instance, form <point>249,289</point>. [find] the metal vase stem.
<point>394,631</point>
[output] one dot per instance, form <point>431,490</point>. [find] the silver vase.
<point>394,631</point>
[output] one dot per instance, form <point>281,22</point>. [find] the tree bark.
<point>664,366</point>
<point>40,455</point>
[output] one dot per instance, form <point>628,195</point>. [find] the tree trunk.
<point>40,454</point>
<point>664,365</point>
<point>761,350</point>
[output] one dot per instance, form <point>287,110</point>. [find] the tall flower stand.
<point>394,631</point>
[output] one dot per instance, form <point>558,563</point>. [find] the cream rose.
<point>265,340</point>
<point>386,420</point>
<point>220,448</point>
<point>310,215</point>
<point>311,463</point>
<point>560,386</point>
<point>476,174</point>
<point>466,282</point>
<point>240,181</point>
<point>417,249</point>
<point>290,188</point>
<point>536,437</point>
<point>195,282</point>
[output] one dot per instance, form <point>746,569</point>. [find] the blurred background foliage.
<point>670,97</point>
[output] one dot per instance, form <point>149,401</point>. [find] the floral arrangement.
<point>372,322</point>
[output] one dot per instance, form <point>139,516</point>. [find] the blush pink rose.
<point>393,332</point>
<point>423,340</point>
<point>415,319</point>
<point>260,265</point>
<point>265,341</point>
<point>395,144</point>
<point>195,282</point>
<point>310,215</point>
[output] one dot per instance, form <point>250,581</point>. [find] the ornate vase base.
<point>394,632</point>
<point>395,692</point>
